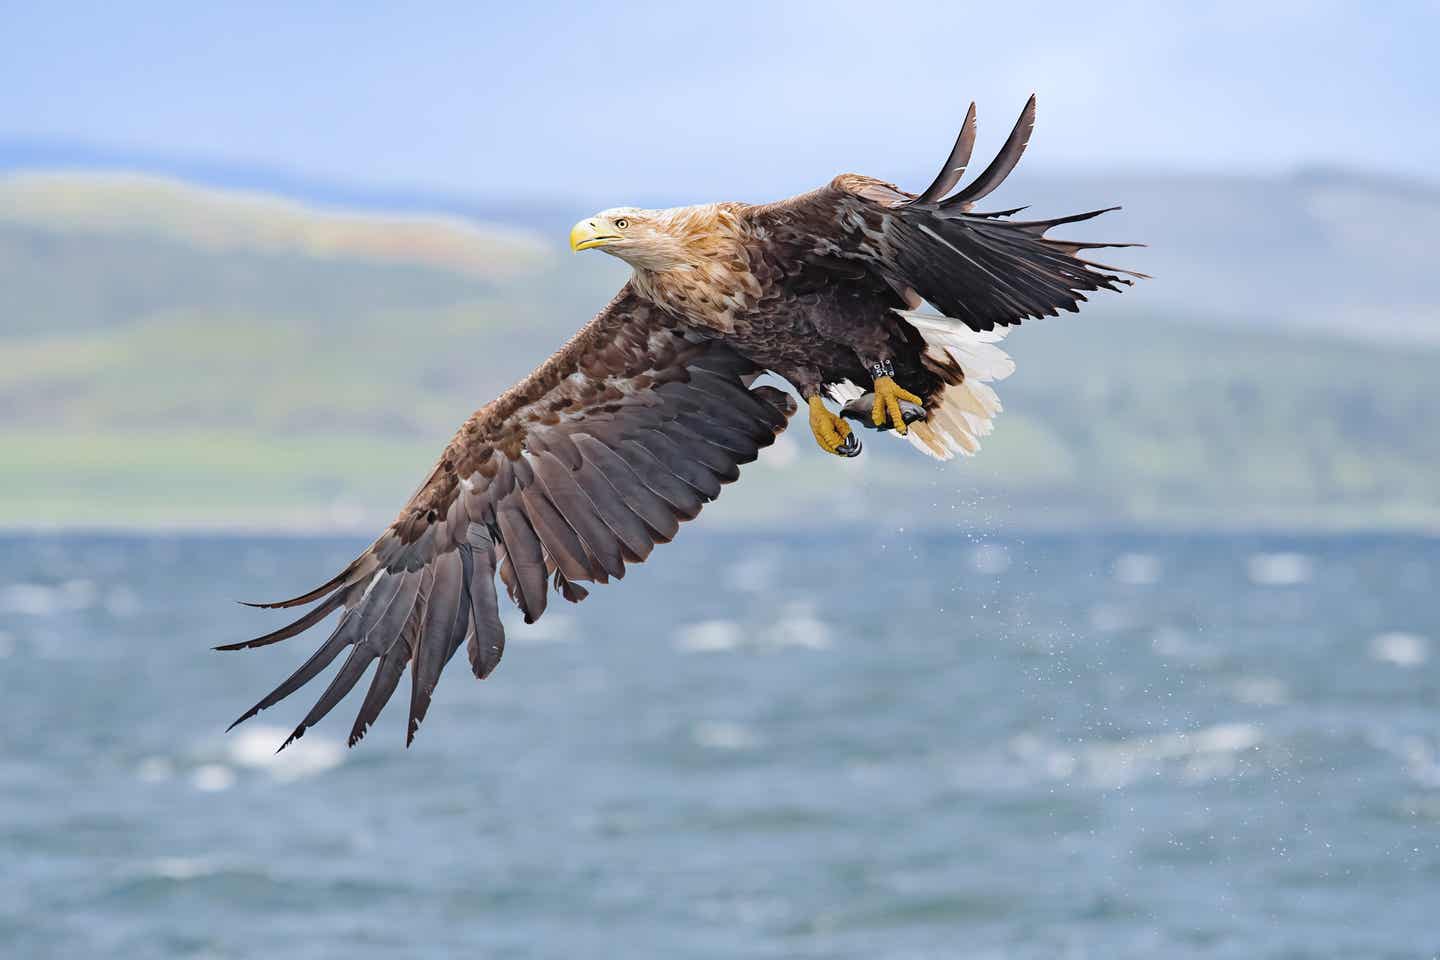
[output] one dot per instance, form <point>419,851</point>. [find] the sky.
<point>722,100</point>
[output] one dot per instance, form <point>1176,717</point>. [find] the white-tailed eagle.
<point>637,422</point>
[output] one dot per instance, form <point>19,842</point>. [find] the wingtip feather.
<point>1000,167</point>
<point>955,163</point>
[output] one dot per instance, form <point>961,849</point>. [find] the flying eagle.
<point>641,418</point>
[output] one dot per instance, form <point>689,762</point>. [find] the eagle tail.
<point>964,409</point>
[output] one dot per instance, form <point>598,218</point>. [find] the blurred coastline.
<point>183,355</point>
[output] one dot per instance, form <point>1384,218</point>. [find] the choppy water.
<point>893,748</point>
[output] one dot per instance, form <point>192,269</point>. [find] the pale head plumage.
<point>642,238</point>
<point>692,261</point>
<point>659,240</point>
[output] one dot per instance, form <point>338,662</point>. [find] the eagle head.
<point>645,239</point>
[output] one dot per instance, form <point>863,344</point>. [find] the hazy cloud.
<point>636,100</point>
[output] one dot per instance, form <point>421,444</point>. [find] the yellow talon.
<point>831,431</point>
<point>888,395</point>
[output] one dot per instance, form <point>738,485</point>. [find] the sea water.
<point>889,746</point>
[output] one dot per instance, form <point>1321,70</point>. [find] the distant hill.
<point>1320,250</point>
<point>188,356</point>
<point>28,156</point>
<point>80,251</point>
<point>1324,249</point>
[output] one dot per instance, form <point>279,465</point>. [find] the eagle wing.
<point>576,471</point>
<point>983,269</point>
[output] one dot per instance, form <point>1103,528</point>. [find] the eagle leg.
<point>889,396</point>
<point>831,432</point>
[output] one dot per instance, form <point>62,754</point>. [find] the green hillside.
<point>159,375</point>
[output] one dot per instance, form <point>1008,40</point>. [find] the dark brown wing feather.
<point>981,268</point>
<point>994,174</point>
<point>955,164</point>
<point>577,471</point>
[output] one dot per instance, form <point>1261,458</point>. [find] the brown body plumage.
<point>586,464</point>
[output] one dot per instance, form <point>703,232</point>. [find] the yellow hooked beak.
<point>588,234</point>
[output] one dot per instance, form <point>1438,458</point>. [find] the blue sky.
<point>743,100</point>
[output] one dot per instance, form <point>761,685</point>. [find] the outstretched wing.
<point>983,269</point>
<point>578,470</point>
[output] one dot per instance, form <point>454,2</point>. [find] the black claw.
<point>850,448</point>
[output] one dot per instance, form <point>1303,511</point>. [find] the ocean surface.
<point>880,747</point>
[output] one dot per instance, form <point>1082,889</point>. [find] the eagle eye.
<point>622,223</point>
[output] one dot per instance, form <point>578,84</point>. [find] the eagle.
<point>651,408</point>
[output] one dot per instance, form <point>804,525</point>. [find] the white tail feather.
<point>966,410</point>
